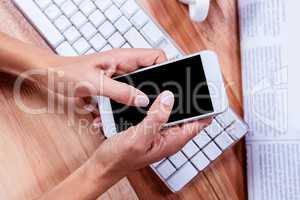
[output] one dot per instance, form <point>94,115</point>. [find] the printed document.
<point>271,86</point>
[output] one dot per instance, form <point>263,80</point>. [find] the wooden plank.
<point>34,161</point>
<point>225,179</point>
<point>39,151</point>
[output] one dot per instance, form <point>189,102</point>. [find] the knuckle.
<point>134,148</point>
<point>132,144</point>
<point>162,53</point>
<point>172,150</point>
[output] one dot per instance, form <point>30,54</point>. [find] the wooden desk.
<point>39,151</point>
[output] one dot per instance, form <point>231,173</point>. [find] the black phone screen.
<point>185,78</point>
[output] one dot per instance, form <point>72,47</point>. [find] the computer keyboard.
<point>179,169</point>
<point>81,27</point>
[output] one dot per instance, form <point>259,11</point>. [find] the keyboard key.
<point>65,49</point>
<point>139,19</point>
<point>106,48</point>
<point>119,3</point>
<point>178,159</point>
<point>107,29</point>
<point>126,46</point>
<point>190,149</point>
<point>129,8</point>
<point>157,163</point>
<point>58,2</point>
<point>87,7</point>
<point>212,151</point>
<point>169,49</point>
<point>88,30</point>
<point>103,4</point>
<point>202,139</point>
<point>181,177</point>
<point>69,8</point>
<point>226,118</point>
<point>166,169</point>
<point>81,46</point>
<point>123,25</point>
<point>151,32</point>
<point>52,12</point>
<point>214,129</point>
<point>91,51</point>
<point>116,40</point>
<point>200,161</point>
<point>77,2</point>
<point>113,13</point>
<point>62,23</point>
<point>97,18</point>
<point>78,19</point>
<point>43,24</point>
<point>135,39</point>
<point>43,4</point>
<point>98,42</point>
<point>224,141</point>
<point>237,130</point>
<point>72,34</point>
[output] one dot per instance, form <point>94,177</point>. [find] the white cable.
<point>198,9</point>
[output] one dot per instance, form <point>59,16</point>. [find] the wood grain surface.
<point>37,151</point>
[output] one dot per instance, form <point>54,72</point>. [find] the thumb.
<point>123,93</point>
<point>157,116</point>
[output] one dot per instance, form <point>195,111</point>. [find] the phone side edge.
<point>216,84</point>
<point>107,118</point>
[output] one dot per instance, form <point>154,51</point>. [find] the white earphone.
<point>198,9</point>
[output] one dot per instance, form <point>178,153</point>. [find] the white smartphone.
<point>195,80</point>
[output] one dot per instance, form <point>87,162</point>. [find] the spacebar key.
<point>136,39</point>
<point>41,22</point>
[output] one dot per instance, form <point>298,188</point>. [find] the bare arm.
<point>17,57</point>
<point>132,149</point>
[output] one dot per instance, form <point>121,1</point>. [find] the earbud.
<point>198,9</point>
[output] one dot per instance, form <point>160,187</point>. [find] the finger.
<point>174,139</point>
<point>91,109</point>
<point>123,93</point>
<point>97,123</point>
<point>157,116</point>
<point>132,59</point>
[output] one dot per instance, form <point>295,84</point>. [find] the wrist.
<point>41,59</point>
<point>87,182</point>
<point>97,178</point>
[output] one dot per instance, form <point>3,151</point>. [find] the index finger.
<point>132,59</point>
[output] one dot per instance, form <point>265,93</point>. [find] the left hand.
<point>90,75</point>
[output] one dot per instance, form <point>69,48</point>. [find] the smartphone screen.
<point>185,78</point>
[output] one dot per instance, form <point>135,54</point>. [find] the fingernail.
<point>89,108</point>
<point>97,123</point>
<point>167,98</point>
<point>141,101</point>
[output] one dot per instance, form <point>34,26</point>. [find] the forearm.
<point>87,182</point>
<point>17,57</point>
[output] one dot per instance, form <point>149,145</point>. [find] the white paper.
<point>271,86</point>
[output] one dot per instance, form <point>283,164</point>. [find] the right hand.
<point>145,143</point>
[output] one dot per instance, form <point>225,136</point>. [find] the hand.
<point>145,143</point>
<point>135,148</point>
<point>78,76</point>
<point>91,75</point>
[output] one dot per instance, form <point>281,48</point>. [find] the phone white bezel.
<point>214,79</point>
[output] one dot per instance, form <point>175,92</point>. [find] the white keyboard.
<point>80,27</point>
